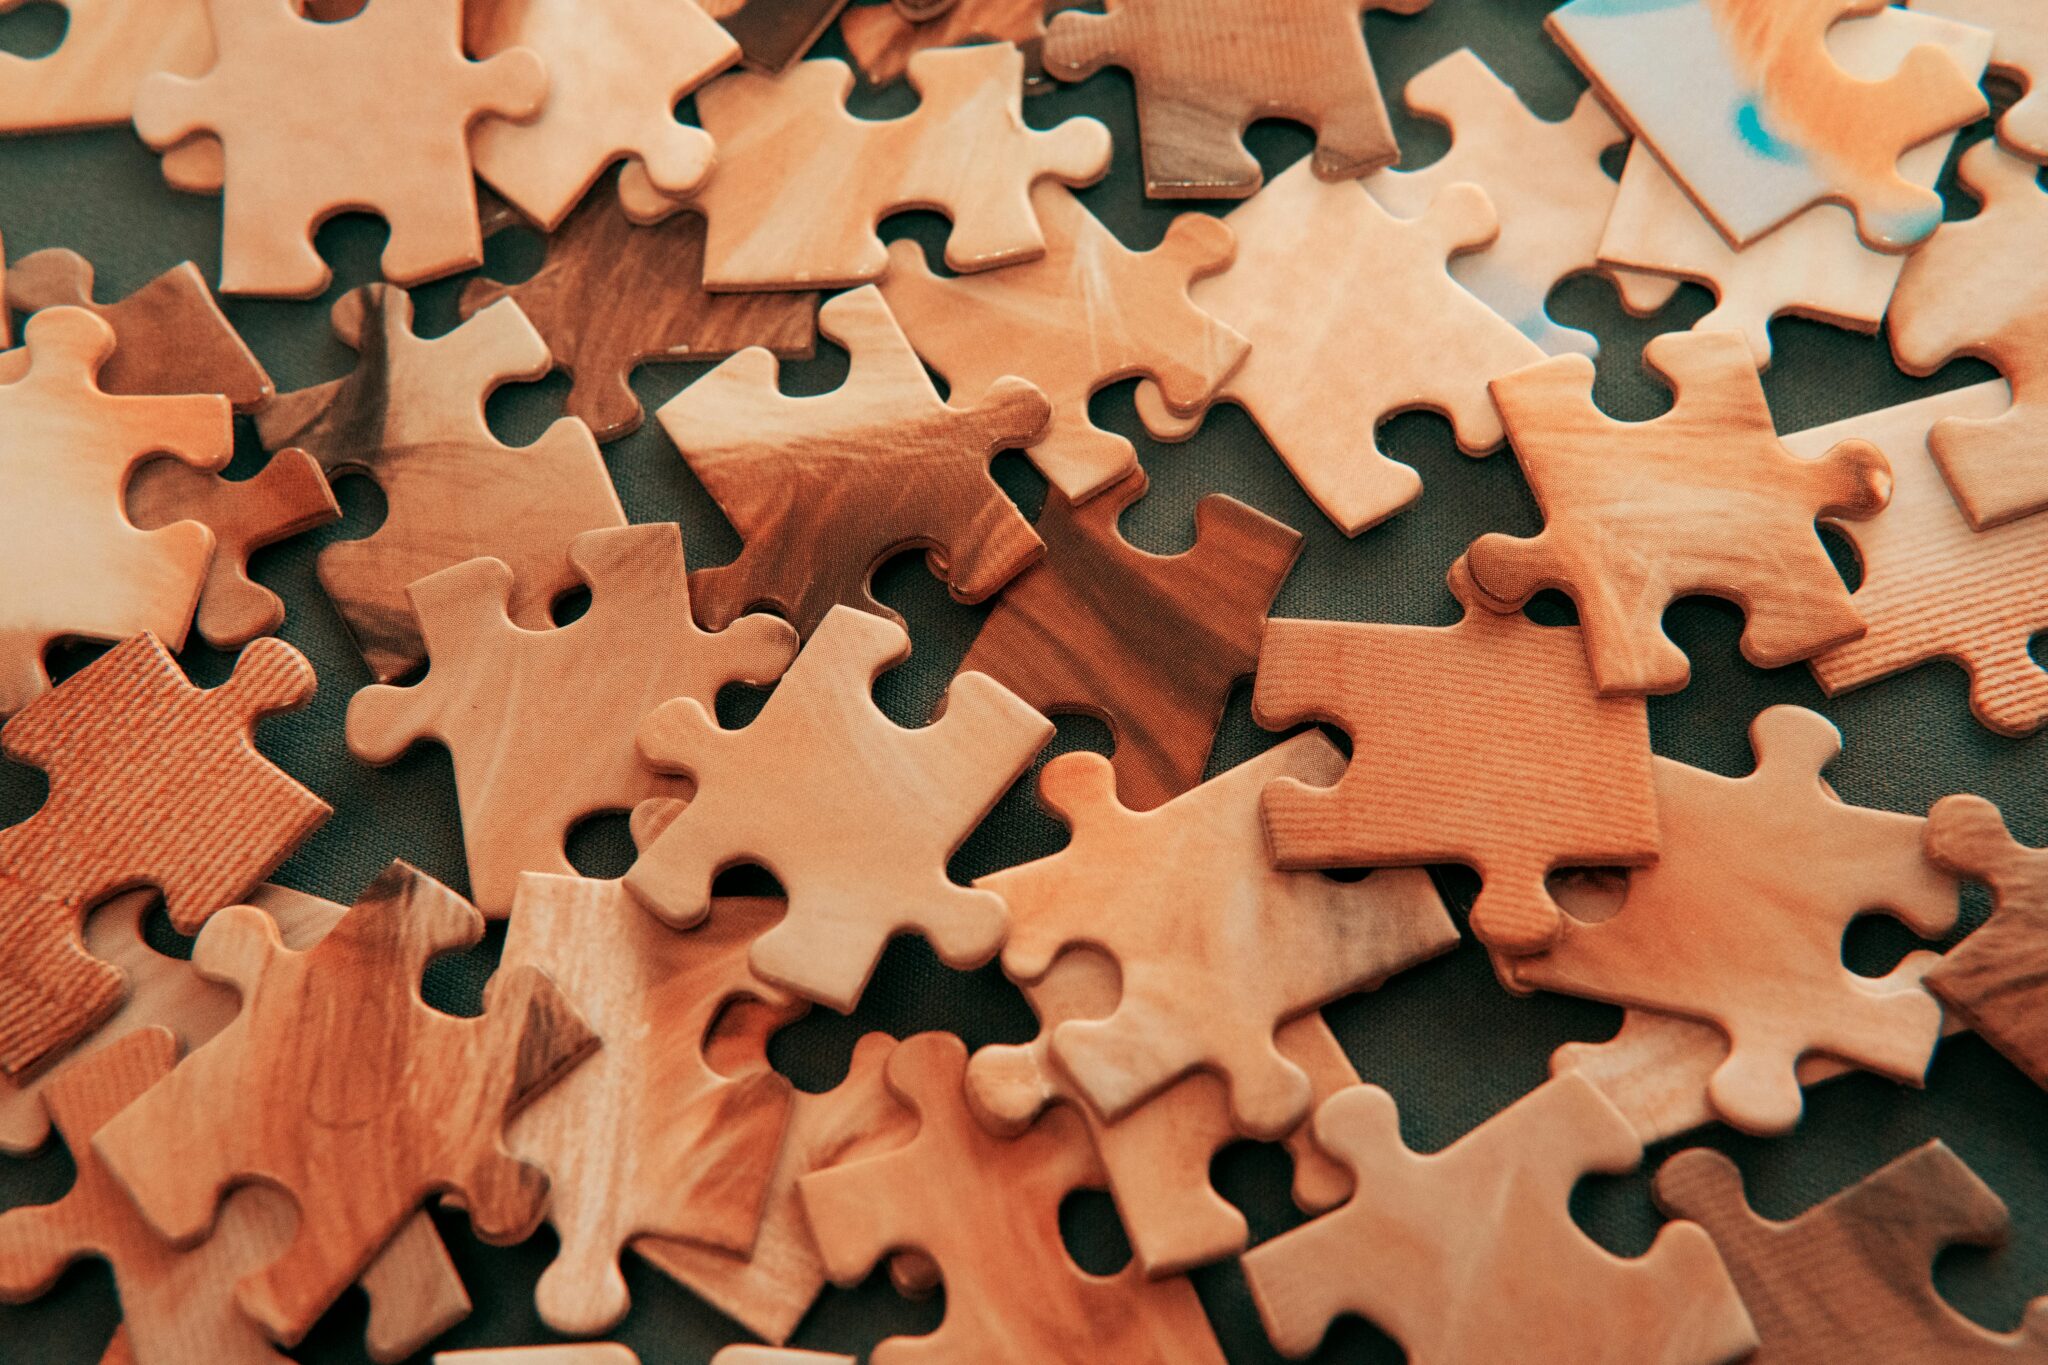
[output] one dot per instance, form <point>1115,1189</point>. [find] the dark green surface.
<point>1450,1045</point>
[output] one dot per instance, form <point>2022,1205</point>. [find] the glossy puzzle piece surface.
<point>411,417</point>
<point>1992,979</point>
<point>152,781</point>
<point>986,1210</point>
<point>1852,1279</point>
<point>2020,54</point>
<point>1205,70</point>
<point>1483,743</point>
<point>822,490</point>
<point>1352,319</point>
<point>1088,313</point>
<point>1150,644</point>
<point>109,48</point>
<point>1740,922</point>
<point>774,33</point>
<point>1494,1266</point>
<point>337,1085</point>
<point>1748,105</point>
<point>541,723</point>
<point>881,40</point>
<point>1703,499</point>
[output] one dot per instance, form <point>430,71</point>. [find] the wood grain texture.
<point>1483,743</point>
<point>774,33</point>
<point>152,782</point>
<point>338,1086</point>
<point>2020,54</point>
<point>1496,1269</point>
<point>882,39</point>
<point>822,490</point>
<point>1704,499</point>
<point>660,310</point>
<point>411,417</point>
<point>1850,1281</point>
<point>1997,978</point>
<point>1740,922</point>
<point>986,1210</point>
<point>109,47</point>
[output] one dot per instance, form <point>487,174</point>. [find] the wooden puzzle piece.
<point>774,33</point>
<point>581,1353</point>
<point>1544,178</point>
<point>1978,290</point>
<point>541,723</point>
<point>337,1085</point>
<point>822,490</point>
<point>1492,1266</point>
<point>68,456</point>
<point>771,1355</point>
<point>2019,53</point>
<point>109,47</point>
<point>882,38</point>
<point>1216,948</point>
<point>1086,314</point>
<point>1747,104</point>
<point>1150,644</point>
<point>152,782</point>
<point>1704,499</point>
<point>657,272</point>
<point>1205,70</point>
<point>965,151</point>
<point>1932,587</point>
<point>1482,743</point>
<point>1851,1279</point>
<point>411,417</point>
<point>855,816</point>
<point>397,75</point>
<point>1013,1299</point>
<point>1352,319</point>
<point>1992,979</point>
<point>1740,922</point>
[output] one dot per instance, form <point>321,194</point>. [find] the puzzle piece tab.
<point>2020,54</point>
<point>1992,979</point>
<point>110,47</point>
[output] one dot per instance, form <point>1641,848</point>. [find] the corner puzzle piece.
<point>68,456</point>
<point>882,38</point>
<point>1746,103</point>
<point>965,151</point>
<point>397,76</point>
<point>109,47</point>
<point>1216,949</point>
<point>1932,587</point>
<point>1352,319</point>
<point>152,782</point>
<point>1151,644</point>
<point>1495,1268</point>
<point>822,490</point>
<point>1740,922</point>
<point>541,722</point>
<point>1992,979</point>
<point>1013,1299</point>
<point>1205,70</point>
<point>411,417</point>
<point>855,816</point>
<point>2020,53</point>
<point>1704,499</point>
<point>654,277</point>
<point>1851,1279</point>
<point>774,33</point>
<point>339,1086</point>
<point>1483,743</point>
<point>1979,290</point>
<point>1544,178</point>
<point>615,75</point>
<point>645,1138</point>
<point>1086,314</point>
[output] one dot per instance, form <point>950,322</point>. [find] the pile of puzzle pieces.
<point>259,1129</point>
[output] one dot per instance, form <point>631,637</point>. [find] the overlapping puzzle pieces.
<point>2021,53</point>
<point>109,48</point>
<point>1992,979</point>
<point>882,38</point>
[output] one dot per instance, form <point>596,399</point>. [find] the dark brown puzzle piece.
<point>774,33</point>
<point>1997,978</point>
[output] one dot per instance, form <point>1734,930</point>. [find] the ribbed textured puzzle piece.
<point>109,48</point>
<point>1703,499</point>
<point>2020,53</point>
<point>1491,1265</point>
<point>1850,1281</point>
<point>1353,318</point>
<point>822,490</point>
<point>1740,922</point>
<point>411,417</point>
<point>1993,979</point>
<point>1205,70</point>
<point>1088,313</point>
<point>882,40</point>
<point>986,1210</point>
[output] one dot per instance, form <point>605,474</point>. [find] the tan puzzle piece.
<point>855,816</point>
<point>1992,979</point>
<point>882,40</point>
<point>1088,313</point>
<point>1704,499</point>
<point>770,1355</point>
<point>1978,289</point>
<point>411,417</point>
<point>109,48</point>
<point>1352,319</point>
<point>339,1086</point>
<point>582,1353</point>
<point>822,490</point>
<point>1740,923</point>
<point>2019,53</point>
